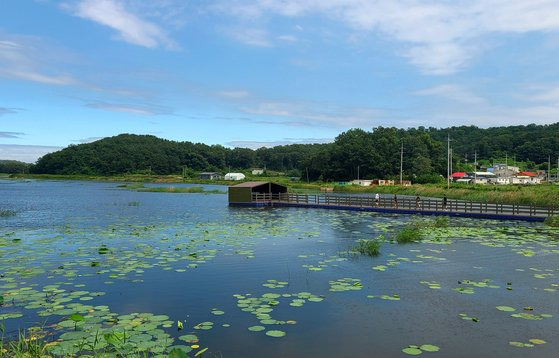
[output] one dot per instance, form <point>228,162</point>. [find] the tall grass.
<point>552,221</point>
<point>369,247</point>
<point>5,213</point>
<point>440,222</point>
<point>538,195</point>
<point>409,233</point>
<point>28,343</point>
<point>171,189</point>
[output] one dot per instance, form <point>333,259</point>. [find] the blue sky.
<point>265,72</point>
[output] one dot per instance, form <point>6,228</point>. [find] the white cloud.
<point>451,92</point>
<point>4,110</point>
<point>304,113</point>
<point>25,58</point>
<point>249,36</point>
<point>274,143</point>
<point>545,95</point>
<point>130,27</point>
<point>439,37</point>
<point>234,94</point>
<point>88,139</point>
<point>25,153</point>
<point>144,110</point>
<point>287,38</point>
<point>11,134</point>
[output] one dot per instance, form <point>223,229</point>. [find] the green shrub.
<point>441,221</point>
<point>409,233</point>
<point>6,213</point>
<point>552,221</point>
<point>370,247</point>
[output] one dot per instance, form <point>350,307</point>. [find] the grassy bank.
<point>171,189</point>
<point>539,195</point>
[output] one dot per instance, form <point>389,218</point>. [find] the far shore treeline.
<point>376,153</point>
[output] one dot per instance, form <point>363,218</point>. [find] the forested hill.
<point>375,153</point>
<point>528,143</point>
<point>129,153</point>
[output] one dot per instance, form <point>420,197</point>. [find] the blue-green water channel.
<point>127,265</point>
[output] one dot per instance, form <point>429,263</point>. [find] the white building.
<point>257,171</point>
<point>503,170</point>
<point>362,182</point>
<point>482,177</point>
<point>234,176</point>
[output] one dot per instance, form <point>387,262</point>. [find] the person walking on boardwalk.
<point>395,201</point>
<point>377,199</point>
<point>445,201</point>
<point>417,202</point>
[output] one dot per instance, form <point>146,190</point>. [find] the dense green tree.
<point>375,154</point>
<point>13,166</point>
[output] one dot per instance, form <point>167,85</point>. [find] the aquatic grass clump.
<point>6,213</point>
<point>369,247</point>
<point>28,343</point>
<point>134,186</point>
<point>172,189</point>
<point>441,222</point>
<point>552,221</point>
<point>409,233</point>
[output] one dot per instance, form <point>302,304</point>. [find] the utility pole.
<point>451,160</point>
<point>307,169</point>
<point>448,162</point>
<point>402,163</point>
<point>475,167</point>
<point>548,168</point>
<point>358,172</point>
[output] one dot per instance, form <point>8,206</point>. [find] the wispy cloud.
<point>249,36</point>
<point>440,37</point>
<point>299,113</point>
<point>534,104</point>
<point>88,140</point>
<point>5,110</point>
<point>146,110</point>
<point>23,58</point>
<point>25,153</point>
<point>452,92</point>
<point>549,94</point>
<point>233,94</point>
<point>11,134</point>
<point>129,27</point>
<point>268,144</point>
<point>307,113</point>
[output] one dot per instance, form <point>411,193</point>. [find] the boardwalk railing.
<point>406,203</point>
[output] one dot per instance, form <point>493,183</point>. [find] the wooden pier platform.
<point>404,205</point>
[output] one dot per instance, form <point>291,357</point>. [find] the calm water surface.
<point>184,255</point>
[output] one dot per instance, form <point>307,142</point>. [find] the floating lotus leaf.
<point>412,351</point>
<point>275,333</point>
<point>256,328</point>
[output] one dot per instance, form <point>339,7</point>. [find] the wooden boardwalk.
<point>404,205</point>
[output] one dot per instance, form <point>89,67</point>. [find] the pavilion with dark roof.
<point>242,193</point>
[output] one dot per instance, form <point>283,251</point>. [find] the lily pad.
<point>256,328</point>
<point>275,333</point>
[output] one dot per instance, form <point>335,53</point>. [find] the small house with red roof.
<point>526,178</point>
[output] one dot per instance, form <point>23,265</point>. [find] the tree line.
<point>369,154</point>
<point>13,167</point>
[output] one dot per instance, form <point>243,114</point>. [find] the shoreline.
<point>544,195</point>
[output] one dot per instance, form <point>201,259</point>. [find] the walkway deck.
<point>403,206</point>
